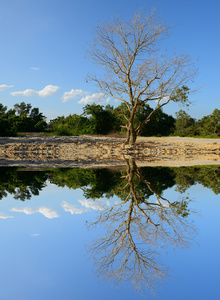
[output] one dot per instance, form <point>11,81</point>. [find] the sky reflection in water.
<point>46,245</point>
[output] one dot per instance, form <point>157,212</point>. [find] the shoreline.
<point>93,151</point>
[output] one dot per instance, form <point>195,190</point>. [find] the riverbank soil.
<point>89,151</point>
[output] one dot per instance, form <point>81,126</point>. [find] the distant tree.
<point>22,109</point>
<point>78,124</point>
<point>38,120</point>
<point>101,119</point>
<point>3,110</point>
<point>70,125</point>
<point>22,118</point>
<point>28,118</point>
<point>6,126</point>
<point>184,124</point>
<point>11,113</point>
<point>210,125</point>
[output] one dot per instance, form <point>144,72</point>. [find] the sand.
<point>91,151</point>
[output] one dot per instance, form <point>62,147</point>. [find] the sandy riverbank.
<point>87,151</point>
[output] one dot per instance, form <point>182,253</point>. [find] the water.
<point>61,238</point>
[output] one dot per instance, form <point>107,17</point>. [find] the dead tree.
<point>136,69</point>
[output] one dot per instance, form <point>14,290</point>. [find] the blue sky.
<point>44,43</point>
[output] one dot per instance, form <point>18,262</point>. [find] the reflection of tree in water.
<point>136,228</point>
<point>21,184</point>
<point>98,183</point>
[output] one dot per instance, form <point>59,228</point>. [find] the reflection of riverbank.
<point>87,151</point>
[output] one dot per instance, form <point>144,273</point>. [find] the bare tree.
<point>136,229</point>
<point>136,70</point>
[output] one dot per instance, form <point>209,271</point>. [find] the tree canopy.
<point>22,118</point>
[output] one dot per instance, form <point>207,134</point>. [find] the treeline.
<point>188,126</point>
<point>104,120</point>
<point>97,119</point>
<point>21,118</point>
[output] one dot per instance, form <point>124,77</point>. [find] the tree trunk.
<point>128,136</point>
<point>133,138</point>
<point>131,133</point>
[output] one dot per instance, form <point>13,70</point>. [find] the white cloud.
<point>97,98</point>
<point>163,100</point>
<point>72,208</point>
<point>34,68</point>
<point>72,94</point>
<point>45,211</point>
<point>95,205</point>
<point>35,234</point>
<point>4,216</point>
<point>26,93</point>
<point>87,205</point>
<point>5,87</point>
<point>49,90</point>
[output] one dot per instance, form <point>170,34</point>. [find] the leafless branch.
<point>137,71</point>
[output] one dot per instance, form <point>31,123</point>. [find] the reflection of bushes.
<point>98,183</point>
<point>21,184</point>
<point>95,183</point>
<point>208,176</point>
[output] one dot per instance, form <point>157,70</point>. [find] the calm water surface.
<point>104,234</point>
